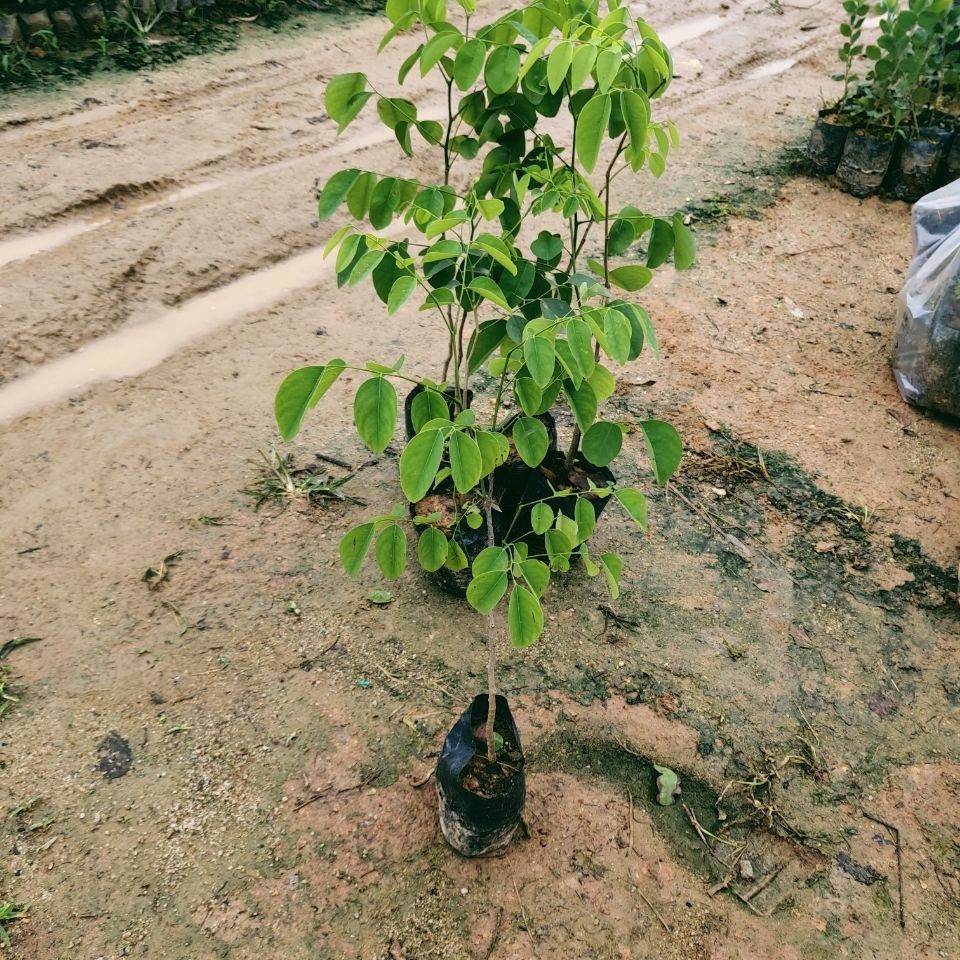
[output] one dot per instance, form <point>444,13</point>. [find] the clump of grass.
<point>282,482</point>
<point>6,693</point>
<point>10,912</point>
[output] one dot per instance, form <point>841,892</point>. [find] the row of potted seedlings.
<point>521,270</point>
<point>896,127</point>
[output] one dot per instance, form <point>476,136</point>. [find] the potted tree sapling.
<point>829,133</point>
<point>521,268</point>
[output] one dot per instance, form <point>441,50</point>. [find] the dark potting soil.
<point>492,780</point>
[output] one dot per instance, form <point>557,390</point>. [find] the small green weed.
<point>10,912</point>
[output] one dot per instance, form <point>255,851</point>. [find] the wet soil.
<point>787,639</point>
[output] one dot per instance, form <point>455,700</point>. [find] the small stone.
<point>746,870</point>
<point>825,546</point>
<point>463,891</point>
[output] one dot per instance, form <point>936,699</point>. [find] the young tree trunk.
<point>491,653</point>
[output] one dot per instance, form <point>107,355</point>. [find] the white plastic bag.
<point>927,360</point>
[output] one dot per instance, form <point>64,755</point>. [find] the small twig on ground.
<point>656,912</point>
<point>896,837</point>
<point>526,922</point>
<point>220,889</point>
<point>630,819</point>
<point>306,801</point>
<point>832,246</point>
<point>762,884</point>
<point>424,781</point>
<point>336,461</point>
<point>495,936</point>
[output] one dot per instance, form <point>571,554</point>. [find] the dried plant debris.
<point>282,482</point>
<point>154,576</point>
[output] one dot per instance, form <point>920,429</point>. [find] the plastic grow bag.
<point>927,360</point>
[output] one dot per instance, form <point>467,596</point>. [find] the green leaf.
<point>581,345</point>
<point>558,63</point>
<point>636,116</point>
<point>365,266</point>
<point>608,66</point>
<point>335,189</point>
<point>419,464</point>
<point>469,63</point>
<point>541,518</point>
<point>299,392</point>
<point>400,292</point>
<point>664,448</point>
<point>491,558</point>
<point>559,548</point>
<point>540,353</point>
<point>436,47</point>
<point>502,69</point>
<point>586,518</point>
<point>345,97</point>
<point>528,395</point>
<point>602,442</point>
<point>524,617</point>
<point>432,549</point>
<point>612,567</point>
<point>685,252</point>
<point>602,382</point>
<point>494,449</point>
<point>375,412</point>
<point>487,590</point>
<point>391,551</point>
<point>484,340</point>
<point>668,785</point>
<point>354,547</point>
<point>631,278</point>
<point>531,440</point>
<point>489,291</point>
<point>618,332</point>
<point>537,575</point>
<point>547,246</point>
<point>428,405</point>
<point>490,208</point>
<point>581,65</point>
<point>380,597</point>
<point>635,503</point>
<point>466,463</point>
<point>583,403</point>
<point>456,558</point>
<point>661,243</point>
<point>591,129</point>
<point>497,249</point>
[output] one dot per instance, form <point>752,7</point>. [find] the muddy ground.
<point>787,637</point>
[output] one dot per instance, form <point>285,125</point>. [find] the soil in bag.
<point>454,577</point>
<point>826,142</point>
<point>918,164</point>
<point>864,163</point>
<point>950,170</point>
<point>481,803</point>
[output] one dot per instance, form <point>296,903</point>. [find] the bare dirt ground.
<point>789,633</point>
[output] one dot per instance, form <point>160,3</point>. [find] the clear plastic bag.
<point>927,360</point>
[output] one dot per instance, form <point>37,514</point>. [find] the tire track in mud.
<point>242,173</point>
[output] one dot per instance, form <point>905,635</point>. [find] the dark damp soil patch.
<point>594,759</point>
<point>759,186</point>
<point>836,545</point>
